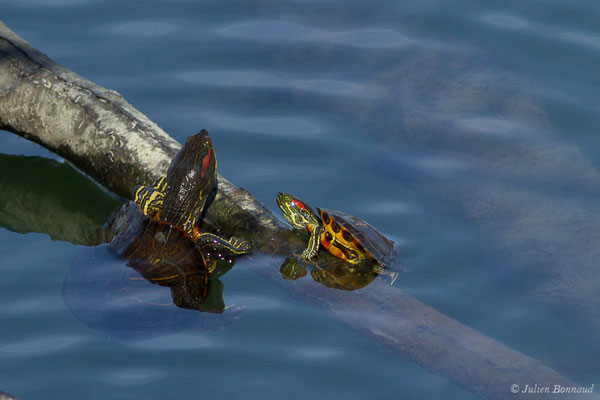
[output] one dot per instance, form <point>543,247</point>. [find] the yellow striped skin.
<point>301,216</point>
<point>151,198</point>
<point>160,184</point>
<point>296,212</point>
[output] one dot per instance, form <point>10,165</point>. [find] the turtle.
<point>177,201</point>
<point>179,198</point>
<point>157,237</point>
<point>344,236</point>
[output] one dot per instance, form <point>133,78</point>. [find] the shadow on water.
<point>38,194</point>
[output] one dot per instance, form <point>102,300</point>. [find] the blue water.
<point>466,131</point>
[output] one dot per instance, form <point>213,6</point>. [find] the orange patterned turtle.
<point>342,235</point>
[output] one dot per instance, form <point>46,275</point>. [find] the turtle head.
<point>190,179</point>
<point>296,212</point>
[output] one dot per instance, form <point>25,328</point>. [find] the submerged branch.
<point>103,135</point>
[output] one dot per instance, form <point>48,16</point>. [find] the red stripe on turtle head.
<point>205,162</point>
<point>298,204</point>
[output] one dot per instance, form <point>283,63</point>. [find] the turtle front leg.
<point>151,198</point>
<point>313,243</point>
<point>230,248</point>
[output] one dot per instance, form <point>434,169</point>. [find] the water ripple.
<point>583,39</point>
<point>178,341</point>
<point>251,302</point>
<point>315,353</point>
<point>495,127</point>
<point>258,172</point>
<point>133,376</point>
<point>144,29</point>
<point>270,31</point>
<point>38,305</point>
<point>510,22</point>
<point>259,79</point>
<point>391,207</point>
<point>435,165</point>
<point>373,38</point>
<point>283,31</point>
<point>39,345</point>
<point>279,126</point>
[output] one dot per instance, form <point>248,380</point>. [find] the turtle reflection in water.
<point>157,236</point>
<point>365,252</point>
<point>335,273</point>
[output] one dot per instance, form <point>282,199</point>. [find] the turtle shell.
<point>353,240</point>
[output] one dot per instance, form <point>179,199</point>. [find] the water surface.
<point>465,131</point>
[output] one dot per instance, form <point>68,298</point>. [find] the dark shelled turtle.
<point>344,236</point>
<point>156,234</point>
<point>178,199</point>
<point>171,206</point>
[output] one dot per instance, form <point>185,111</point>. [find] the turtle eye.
<point>297,204</point>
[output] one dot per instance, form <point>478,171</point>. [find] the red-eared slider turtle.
<point>157,236</point>
<point>342,235</point>
<point>178,199</point>
<point>174,203</point>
